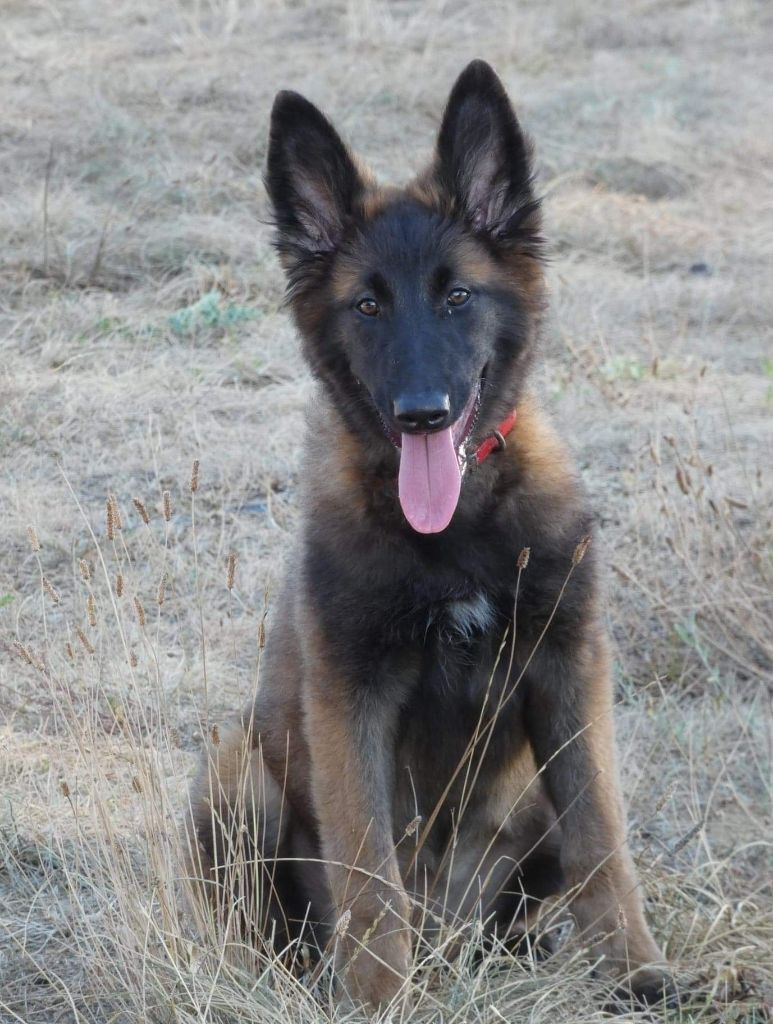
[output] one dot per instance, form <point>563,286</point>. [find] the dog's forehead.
<point>406,230</point>
<point>408,241</point>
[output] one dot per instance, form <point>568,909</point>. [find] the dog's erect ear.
<point>310,177</point>
<point>483,159</point>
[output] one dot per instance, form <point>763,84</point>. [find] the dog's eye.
<point>458,297</point>
<point>368,307</point>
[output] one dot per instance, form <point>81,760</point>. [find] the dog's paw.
<point>647,986</point>
<point>537,946</point>
<point>375,979</point>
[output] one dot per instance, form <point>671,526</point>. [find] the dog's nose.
<point>421,412</point>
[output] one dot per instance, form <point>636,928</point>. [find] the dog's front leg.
<point>350,727</point>
<point>569,716</point>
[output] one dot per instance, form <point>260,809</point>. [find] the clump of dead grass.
<point>98,920</point>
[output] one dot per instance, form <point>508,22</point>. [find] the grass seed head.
<point>140,612</point>
<point>683,479</point>
<point>581,549</point>
<point>143,512</point>
<point>195,476</point>
<point>523,558</point>
<point>28,656</point>
<point>50,590</point>
<point>22,651</point>
<point>231,570</point>
<point>85,570</point>
<point>32,534</point>
<point>91,609</point>
<point>109,519</point>
<point>161,592</point>
<point>410,828</point>
<point>117,521</point>
<point>342,924</point>
<point>119,585</point>
<point>167,498</point>
<point>87,644</point>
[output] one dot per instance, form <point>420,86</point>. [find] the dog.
<point>432,739</point>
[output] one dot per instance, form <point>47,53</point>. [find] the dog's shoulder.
<point>539,478</point>
<point>540,455</point>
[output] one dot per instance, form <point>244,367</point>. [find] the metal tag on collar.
<point>467,458</point>
<point>501,439</point>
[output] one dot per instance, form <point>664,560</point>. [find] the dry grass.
<point>141,329</point>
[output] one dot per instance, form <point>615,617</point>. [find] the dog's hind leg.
<point>236,833</point>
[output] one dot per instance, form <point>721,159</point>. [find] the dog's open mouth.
<point>431,470</point>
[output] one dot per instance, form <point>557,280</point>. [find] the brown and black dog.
<point>432,738</point>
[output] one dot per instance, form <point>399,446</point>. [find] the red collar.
<point>493,442</point>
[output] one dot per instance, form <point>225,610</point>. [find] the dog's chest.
<point>463,618</point>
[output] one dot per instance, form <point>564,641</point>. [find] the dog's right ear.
<point>310,177</point>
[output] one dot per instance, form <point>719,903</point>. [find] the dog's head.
<point>417,306</point>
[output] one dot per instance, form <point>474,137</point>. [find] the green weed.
<point>209,312</point>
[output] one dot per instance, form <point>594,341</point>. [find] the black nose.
<point>418,412</point>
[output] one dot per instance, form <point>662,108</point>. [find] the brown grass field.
<point>141,328</point>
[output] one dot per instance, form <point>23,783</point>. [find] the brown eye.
<point>458,297</point>
<point>368,307</point>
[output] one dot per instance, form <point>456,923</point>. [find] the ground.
<point>141,328</point>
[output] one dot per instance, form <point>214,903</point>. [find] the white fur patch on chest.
<point>469,615</point>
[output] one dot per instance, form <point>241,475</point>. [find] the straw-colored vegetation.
<point>141,329</point>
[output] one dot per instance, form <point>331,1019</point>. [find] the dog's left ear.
<point>483,160</point>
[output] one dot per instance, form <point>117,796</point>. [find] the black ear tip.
<point>288,104</point>
<point>478,76</point>
<point>480,69</point>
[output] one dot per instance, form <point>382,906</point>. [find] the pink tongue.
<point>429,480</point>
